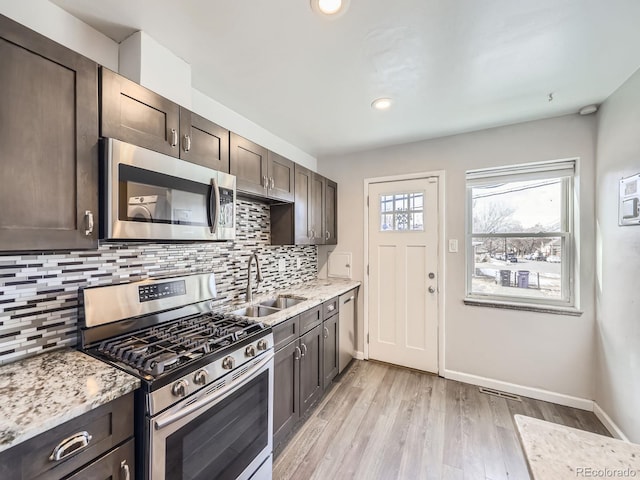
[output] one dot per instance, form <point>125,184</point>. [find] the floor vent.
<point>498,393</point>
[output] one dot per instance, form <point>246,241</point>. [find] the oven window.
<point>223,441</point>
<point>146,196</point>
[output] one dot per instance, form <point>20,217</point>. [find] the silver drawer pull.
<point>88,215</point>
<point>125,474</point>
<point>304,350</point>
<point>70,445</point>
<point>326,332</point>
<point>298,354</point>
<point>174,137</point>
<point>331,307</point>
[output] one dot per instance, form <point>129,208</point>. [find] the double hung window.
<point>520,233</point>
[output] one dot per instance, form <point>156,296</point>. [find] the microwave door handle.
<point>214,205</point>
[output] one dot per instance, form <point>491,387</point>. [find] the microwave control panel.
<point>629,201</point>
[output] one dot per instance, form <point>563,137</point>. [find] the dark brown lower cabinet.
<point>330,349</point>
<point>311,382</point>
<point>96,445</point>
<point>286,391</point>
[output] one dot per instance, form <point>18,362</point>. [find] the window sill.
<point>527,307</point>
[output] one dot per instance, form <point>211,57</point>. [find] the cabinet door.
<point>317,204</point>
<point>281,177</point>
<point>137,115</point>
<point>119,464</point>
<point>48,143</point>
<point>248,162</point>
<point>302,220</point>
<point>311,381</point>
<point>330,335</point>
<point>330,213</point>
<point>203,142</point>
<point>286,391</point>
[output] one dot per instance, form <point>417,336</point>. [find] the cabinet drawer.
<point>330,308</point>
<point>118,464</point>
<point>107,425</point>
<point>285,332</point>
<point>310,318</point>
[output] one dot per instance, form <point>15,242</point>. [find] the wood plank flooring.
<point>384,422</point>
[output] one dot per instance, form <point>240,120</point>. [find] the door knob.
<point>432,290</point>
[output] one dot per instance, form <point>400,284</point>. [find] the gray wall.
<point>618,262</point>
<point>39,292</point>
<point>536,350</point>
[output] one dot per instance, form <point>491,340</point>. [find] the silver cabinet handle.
<point>272,183</point>
<point>174,137</point>
<point>432,290</point>
<point>265,182</point>
<point>70,445</point>
<point>88,215</point>
<point>348,299</point>
<point>304,348</point>
<point>331,307</point>
<point>310,234</point>
<point>313,233</point>
<point>125,474</point>
<point>328,235</point>
<point>186,143</point>
<point>298,354</point>
<point>326,332</point>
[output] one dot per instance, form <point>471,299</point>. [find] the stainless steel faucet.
<point>258,275</point>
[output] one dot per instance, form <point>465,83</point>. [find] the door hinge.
<point>367,200</point>
<point>367,338</point>
<point>367,269</point>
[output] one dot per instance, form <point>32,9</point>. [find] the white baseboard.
<point>359,355</point>
<point>537,393</point>
<point>608,422</point>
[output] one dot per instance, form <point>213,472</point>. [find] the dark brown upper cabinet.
<point>135,114</point>
<point>302,220</point>
<point>203,142</point>
<point>248,162</point>
<point>331,213</point>
<point>260,172</point>
<point>280,172</point>
<point>48,143</point>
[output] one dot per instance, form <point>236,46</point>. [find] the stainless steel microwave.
<point>146,195</point>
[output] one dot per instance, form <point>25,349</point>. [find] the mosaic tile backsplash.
<point>39,292</point>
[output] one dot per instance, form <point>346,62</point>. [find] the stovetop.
<point>157,351</point>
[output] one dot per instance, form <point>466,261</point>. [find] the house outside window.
<point>520,239</point>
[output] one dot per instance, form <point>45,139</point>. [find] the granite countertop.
<point>556,452</point>
<point>315,293</point>
<point>42,392</point>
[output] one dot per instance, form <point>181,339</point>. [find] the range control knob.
<point>179,388</point>
<point>250,351</point>
<point>262,345</point>
<point>228,363</point>
<point>201,377</point>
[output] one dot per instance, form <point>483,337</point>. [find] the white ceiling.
<point>451,66</point>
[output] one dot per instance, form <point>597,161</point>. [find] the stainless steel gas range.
<point>205,409</point>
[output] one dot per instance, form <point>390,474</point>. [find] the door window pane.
<point>402,212</point>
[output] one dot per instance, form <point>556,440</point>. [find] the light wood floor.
<point>384,422</point>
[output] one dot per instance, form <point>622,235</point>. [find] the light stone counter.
<point>556,452</point>
<point>315,293</point>
<point>42,392</point>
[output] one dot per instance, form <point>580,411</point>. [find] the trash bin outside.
<point>523,278</point>
<point>505,278</point>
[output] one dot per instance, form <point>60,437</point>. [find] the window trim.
<point>565,169</point>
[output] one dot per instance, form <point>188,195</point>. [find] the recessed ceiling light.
<point>331,8</point>
<point>589,109</point>
<point>381,103</point>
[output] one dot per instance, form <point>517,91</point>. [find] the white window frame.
<point>564,169</point>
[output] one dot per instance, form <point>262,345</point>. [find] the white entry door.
<point>403,276</point>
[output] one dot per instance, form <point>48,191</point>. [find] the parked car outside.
<point>512,258</point>
<point>553,259</point>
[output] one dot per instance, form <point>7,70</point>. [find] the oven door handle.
<point>206,400</point>
<point>214,205</point>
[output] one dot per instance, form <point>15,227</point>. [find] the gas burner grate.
<point>160,348</point>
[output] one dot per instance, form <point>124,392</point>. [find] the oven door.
<point>223,433</point>
<point>151,196</point>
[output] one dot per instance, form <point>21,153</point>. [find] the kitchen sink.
<point>256,311</point>
<point>282,302</point>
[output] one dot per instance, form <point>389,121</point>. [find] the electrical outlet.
<point>453,245</point>
<point>281,265</point>
<point>298,263</point>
